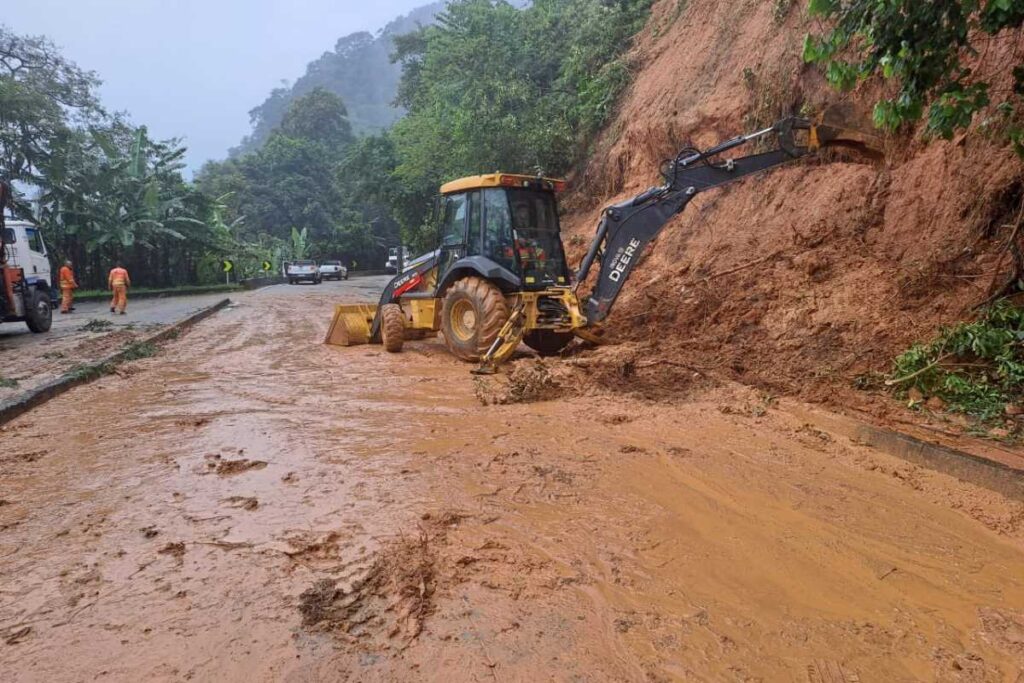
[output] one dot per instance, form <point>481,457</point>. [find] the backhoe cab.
<point>498,276</point>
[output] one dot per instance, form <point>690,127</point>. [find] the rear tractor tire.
<point>547,342</point>
<point>473,314</point>
<point>392,327</point>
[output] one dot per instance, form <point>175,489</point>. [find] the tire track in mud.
<point>251,504</point>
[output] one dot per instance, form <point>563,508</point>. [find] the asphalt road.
<point>28,360</point>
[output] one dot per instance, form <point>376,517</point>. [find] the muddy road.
<point>252,505</point>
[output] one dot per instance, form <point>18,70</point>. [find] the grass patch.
<point>975,368</point>
<point>138,350</point>
<point>8,383</point>
<point>86,373</point>
<point>97,325</point>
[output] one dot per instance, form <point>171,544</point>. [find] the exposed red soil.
<point>801,280</point>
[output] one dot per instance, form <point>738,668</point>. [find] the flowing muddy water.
<point>252,505</point>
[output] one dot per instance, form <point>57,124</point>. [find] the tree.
<point>319,117</point>
<point>930,49</point>
<point>39,89</point>
<point>491,86</point>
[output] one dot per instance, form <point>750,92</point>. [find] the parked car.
<point>333,270</point>
<point>303,271</point>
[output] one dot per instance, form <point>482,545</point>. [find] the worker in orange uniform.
<point>119,282</point>
<point>67,288</point>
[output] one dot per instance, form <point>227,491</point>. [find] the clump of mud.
<point>527,381</point>
<point>226,468</point>
<point>633,369</point>
<point>392,599</point>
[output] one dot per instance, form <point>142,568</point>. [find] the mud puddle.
<point>379,523</point>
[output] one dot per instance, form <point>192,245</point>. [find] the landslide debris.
<point>801,280</point>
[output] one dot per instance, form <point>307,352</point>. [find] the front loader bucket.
<point>351,324</point>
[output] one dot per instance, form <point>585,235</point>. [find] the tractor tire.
<point>392,327</point>
<point>473,314</point>
<point>38,313</point>
<point>547,342</point>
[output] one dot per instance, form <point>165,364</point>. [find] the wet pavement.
<point>253,505</point>
<point>92,332</point>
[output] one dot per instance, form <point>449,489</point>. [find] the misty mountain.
<point>358,69</point>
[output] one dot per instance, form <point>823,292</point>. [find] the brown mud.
<point>400,530</point>
<point>806,280</point>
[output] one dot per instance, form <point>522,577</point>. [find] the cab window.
<point>537,242</point>
<point>9,237</point>
<point>475,214</point>
<point>453,227</point>
<point>34,239</point>
<point>497,234</point>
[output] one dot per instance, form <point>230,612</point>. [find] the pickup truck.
<point>302,271</point>
<point>333,270</point>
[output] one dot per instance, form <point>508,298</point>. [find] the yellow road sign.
<point>267,266</point>
<point>228,265</point>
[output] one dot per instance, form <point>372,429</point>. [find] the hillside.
<point>806,280</point>
<point>358,69</point>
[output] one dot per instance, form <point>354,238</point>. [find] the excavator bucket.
<point>351,325</point>
<point>837,127</point>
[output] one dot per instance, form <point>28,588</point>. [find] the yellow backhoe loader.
<point>499,275</point>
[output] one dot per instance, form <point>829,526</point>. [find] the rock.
<point>915,395</point>
<point>1013,409</point>
<point>935,403</point>
<point>999,433</point>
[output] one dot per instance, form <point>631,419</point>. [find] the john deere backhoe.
<point>500,277</point>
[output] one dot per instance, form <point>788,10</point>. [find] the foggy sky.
<point>193,68</point>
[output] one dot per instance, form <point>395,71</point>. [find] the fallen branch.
<point>901,380</point>
<point>740,267</point>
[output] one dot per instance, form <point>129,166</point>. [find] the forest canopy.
<point>490,85</point>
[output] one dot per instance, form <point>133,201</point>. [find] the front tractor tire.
<point>38,313</point>
<point>473,314</point>
<point>547,342</point>
<point>392,327</point>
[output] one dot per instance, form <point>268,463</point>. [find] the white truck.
<point>302,271</point>
<point>392,263</point>
<point>333,270</point>
<point>24,274</point>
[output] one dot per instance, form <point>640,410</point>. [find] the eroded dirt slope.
<point>803,279</point>
<point>252,505</point>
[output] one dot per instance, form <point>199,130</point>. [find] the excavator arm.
<point>626,228</point>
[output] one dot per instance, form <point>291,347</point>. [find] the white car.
<point>303,271</point>
<point>333,270</point>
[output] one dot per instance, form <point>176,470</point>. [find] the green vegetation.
<point>489,86</point>
<point>359,70</point>
<point>935,52</point>
<point>138,350</point>
<point>104,189</point>
<point>97,325</point>
<point>8,383</point>
<point>976,368</point>
<point>492,85</point>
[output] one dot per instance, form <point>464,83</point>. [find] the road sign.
<point>228,265</point>
<point>267,266</point>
